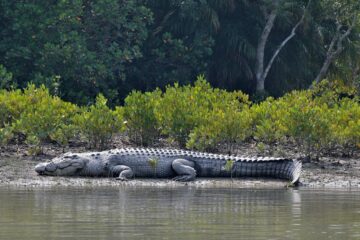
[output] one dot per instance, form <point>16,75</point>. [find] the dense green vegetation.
<point>79,49</point>
<point>323,119</point>
<point>65,66</point>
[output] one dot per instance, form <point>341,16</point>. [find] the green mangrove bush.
<point>139,114</point>
<point>307,122</point>
<point>321,120</point>
<point>318,120</point>
<point>44,117</point>
<point>182,109</point>
<point>12,104</point>
<point>226,128</point>
<point>98,123</point>
<point>345,125</point>
<point>268,124</point>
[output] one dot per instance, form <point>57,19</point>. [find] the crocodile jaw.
<point>46,168</point>
<point>65,168</point>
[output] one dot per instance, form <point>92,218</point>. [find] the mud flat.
<point>17,169</point>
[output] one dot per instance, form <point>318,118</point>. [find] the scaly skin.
<point>167,163</point>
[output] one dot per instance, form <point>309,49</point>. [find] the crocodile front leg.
<point>125,172</point>
<point>185,169</point>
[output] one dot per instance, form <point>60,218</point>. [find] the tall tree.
<point>343,17</point>
<point>80,47</point>
<point>178,47</point>
<point>271,12</point>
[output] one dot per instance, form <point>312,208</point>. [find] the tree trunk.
<point>262,73</point>
<point>334,50</point>
<point>324,68</point>
<point>260,52</point>
<point>260,84</point>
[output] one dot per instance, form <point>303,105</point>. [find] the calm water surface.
<point>180,213</point>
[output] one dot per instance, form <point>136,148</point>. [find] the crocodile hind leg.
<point>125,172</point>
<point>185,170</point>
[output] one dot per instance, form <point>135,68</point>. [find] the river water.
<point>178,213</point>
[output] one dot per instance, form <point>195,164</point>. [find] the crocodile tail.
<point>295,171</point>
<point>269,167</point>
<point>286,168</point>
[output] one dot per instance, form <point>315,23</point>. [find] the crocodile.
<point>181,165</point>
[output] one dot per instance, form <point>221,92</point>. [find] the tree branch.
<point>339,47</point>
<point>260,51</point>
<point>332,53</point>
<point>286,40</point>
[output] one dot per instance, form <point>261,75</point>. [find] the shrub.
<point>295,116</point>
<point>223,127</point>
<point>268,121</point>
<point>12,104</point>
<point>307,121</point>
<point>140,118</point>
<point>43,116</point>
<point>175,113</point>
<point>64,133</point>
<point>182,109</point>
<point>99,123</point>
<point>198,117</point>
<point>6,134</point>
<point>345,125</point>
<point>331,92</point>
<point>309,127</point>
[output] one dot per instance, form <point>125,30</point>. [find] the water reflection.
<point>180,213</point>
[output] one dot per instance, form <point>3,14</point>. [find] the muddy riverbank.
<point>17,169</point>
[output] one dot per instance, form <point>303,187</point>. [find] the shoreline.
<point>17,169</point>
<point>200,183</point>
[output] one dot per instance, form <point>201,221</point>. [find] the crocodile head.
<point>61,166</point>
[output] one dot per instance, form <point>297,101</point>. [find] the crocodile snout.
<point>40,168</point>
<point>46,168</point>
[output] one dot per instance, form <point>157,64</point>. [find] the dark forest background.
<point>80,48</point>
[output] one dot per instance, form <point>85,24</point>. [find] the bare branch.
<point>286,40</point>
<point>339,47</point>
<point>333,52</point>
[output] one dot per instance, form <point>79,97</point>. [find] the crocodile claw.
<point>122,179</point>
<point>181,178</point>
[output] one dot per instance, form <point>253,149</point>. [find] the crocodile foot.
<point>185,178</point>
<point>122,179</point>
